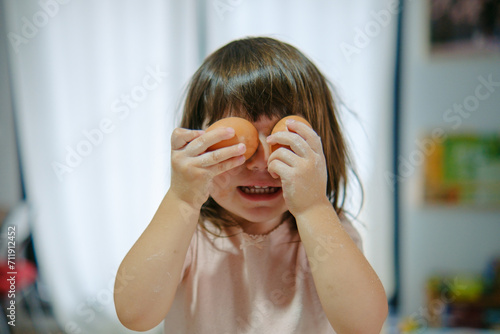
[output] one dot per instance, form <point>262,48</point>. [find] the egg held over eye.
<point>244,132</point>
<point>281,126</point>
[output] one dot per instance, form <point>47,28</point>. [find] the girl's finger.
<point>181,137</point>
<point>284,155</point>
<point>297,144</point>
<point>307,133</point>
<point>226,165</point>
<point>202,143</point>
<point>278,168</point>
<point>218,156</point>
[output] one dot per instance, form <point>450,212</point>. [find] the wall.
<point>440,239</point>
<point>10,190</point>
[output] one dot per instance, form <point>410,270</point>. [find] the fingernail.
<point>242,147</point>
<point>230,130</point>
<point>289,121</point>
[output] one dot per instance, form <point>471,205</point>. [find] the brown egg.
<point>245,132</point>
<point>281,126</point>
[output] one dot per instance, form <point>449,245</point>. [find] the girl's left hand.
<point>302,169</point>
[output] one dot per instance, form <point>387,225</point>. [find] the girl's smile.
<point>259,193</point>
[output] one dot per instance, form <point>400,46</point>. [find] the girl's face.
<point>249,192</point>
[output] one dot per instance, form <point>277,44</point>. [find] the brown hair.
<point>260,76</point>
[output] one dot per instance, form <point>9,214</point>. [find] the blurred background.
<point>90,92</point>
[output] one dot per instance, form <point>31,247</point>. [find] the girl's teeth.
<point>259,190</point>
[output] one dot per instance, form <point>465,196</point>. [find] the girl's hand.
<point>193,168</point>
<point>302,169</point>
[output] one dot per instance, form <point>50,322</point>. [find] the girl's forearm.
<point>148,276</point>
<point>350,291</point>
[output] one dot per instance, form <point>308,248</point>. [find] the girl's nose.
<point>258,161</point>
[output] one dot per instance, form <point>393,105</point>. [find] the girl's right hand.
<point>193,168</point>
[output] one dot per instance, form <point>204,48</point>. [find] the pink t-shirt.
<point>248,284</point>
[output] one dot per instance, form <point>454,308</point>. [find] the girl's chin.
<point>253,212</point>
<point>260,216</point>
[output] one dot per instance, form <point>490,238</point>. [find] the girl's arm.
<point>151,270</point>
<point>148,276</point>
<point>350,292</point>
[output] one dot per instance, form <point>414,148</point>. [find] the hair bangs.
<point>249,92</point>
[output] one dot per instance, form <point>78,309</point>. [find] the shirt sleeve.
<point>352,231</point>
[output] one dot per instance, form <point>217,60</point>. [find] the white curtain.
<point>97,88</point>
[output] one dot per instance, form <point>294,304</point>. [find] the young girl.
<point>259,245</point>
